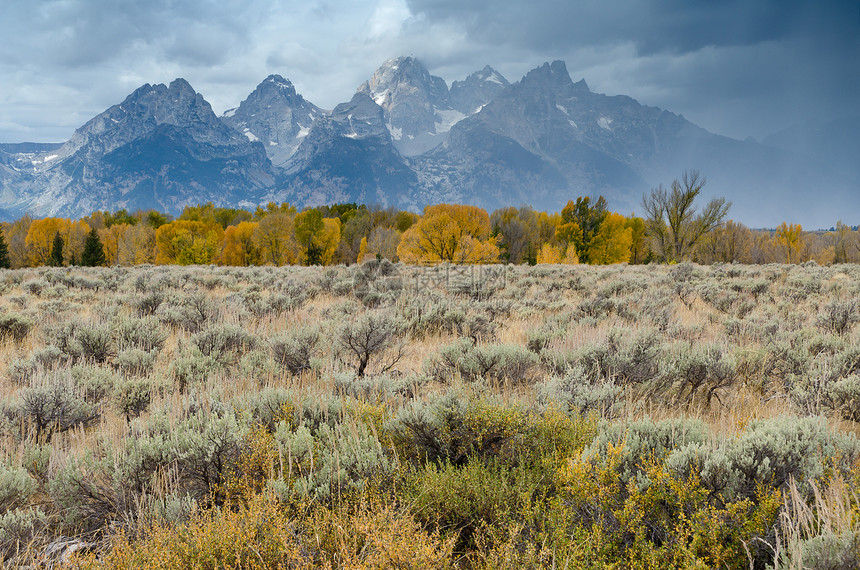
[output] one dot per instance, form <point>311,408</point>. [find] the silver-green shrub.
<point>223,342</point>
<point>18,529</point>
<point>294,350</point>
<point>379,388</point>
<point>93,343</point>
<point>16,487</point>
<point>513,363</point>
<point>582,393</point>
<point>372,336</point>
<point>135,361</point>
<point>133,396</point>
<point>843,397</point>
<point>42,359</point>
<point>773,452</point>
<point>700,371</point>
<point>15,326</point>
<point>206,446</point>
<point>839,316</point>
<point>337,459</point>
<point>54,405</point>
<point>191,367</point>
<point>140,333</point>
<point>642,441</point>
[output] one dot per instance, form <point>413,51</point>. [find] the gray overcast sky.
<point>735,67</point>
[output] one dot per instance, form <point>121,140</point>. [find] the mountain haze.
<point>407,139</point>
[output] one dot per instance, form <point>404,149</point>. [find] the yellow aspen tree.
<point>111,238</point>
<point>362,251</point>
<point>549,254</point>
<point>611,243</point>
<point>439,236</point>
<point>74,239</point>
<point>789,238</point>
<point>40,239</point>
<point>187,242</point>
<point>136,245</point>
<point>329,239</point>
<point>275,239</point>
<point>473,251</point>
<point>570,256</point>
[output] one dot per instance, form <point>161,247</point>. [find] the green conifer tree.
<point>94,251</point>
<point>56,258</point>
<point>4,252</point>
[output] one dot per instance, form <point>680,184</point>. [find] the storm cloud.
<point>738,68</point>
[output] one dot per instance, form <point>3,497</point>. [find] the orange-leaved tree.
<point>41,234</point>
<point>239,247</point>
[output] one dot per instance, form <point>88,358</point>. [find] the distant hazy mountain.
<point>407,139</point>
<point>832,144</point>
<point>471,94</point>
<point>418,108</point>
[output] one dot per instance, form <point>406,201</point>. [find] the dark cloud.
<point>653,25</point>
<point>737,67</point>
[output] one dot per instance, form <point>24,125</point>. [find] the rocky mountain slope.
<point>275,115</point>
<point>163,147</point>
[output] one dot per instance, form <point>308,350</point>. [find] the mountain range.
<point>407,139</point>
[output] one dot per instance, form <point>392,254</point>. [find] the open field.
<point>386,416</point>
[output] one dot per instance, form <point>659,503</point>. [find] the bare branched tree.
<point>371,336</point>
<point>671,219</point>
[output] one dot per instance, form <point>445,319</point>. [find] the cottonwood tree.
<point>672,221</point>
<point>186,242</point>
<point>517,232</point>
<point>239,247</point>
<point>789,238</point>
<point>274,239</point>
<point>580,222</point>
<point>449,232</point>
<point>42,234</point>
<point>611,242</point>
<point>733,242</point>
<point>317,236</point>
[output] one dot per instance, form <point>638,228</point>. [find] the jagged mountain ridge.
<point>163,147</point>
<point>348,156</point>
<point>416,105</point>
<point>276,115</point>
<point>406,139</point>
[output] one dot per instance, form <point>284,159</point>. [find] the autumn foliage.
<point>585,231</point>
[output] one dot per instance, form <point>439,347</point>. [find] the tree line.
<point>672,229</point>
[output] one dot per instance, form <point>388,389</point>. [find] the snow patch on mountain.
<point>449,118</point>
